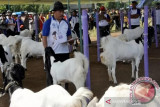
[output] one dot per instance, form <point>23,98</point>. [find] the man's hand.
<point>70,42</point>
<point>44,40</point>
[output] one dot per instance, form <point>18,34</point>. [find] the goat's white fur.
<point>8,56</point>
<point>117,50</point>
<point>74,35</point>
<point>30,48</point>
<point>52,96</point>
<point>131,34</point>
<point>26,33</point>
<point>120,91</point>
<point>14,42</point>
<point>72,70</point>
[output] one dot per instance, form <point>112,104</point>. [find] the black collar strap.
<point>10,84</point>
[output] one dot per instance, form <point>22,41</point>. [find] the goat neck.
<point>12,86</point>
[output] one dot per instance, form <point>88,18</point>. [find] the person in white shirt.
<point>11,23</point>
<point>158,17</point>
<point>135,15</point>
<point>55,35</point>
<point>74,21</point>
<point>104,20</point>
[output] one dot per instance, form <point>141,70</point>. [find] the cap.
<point>9,11</point>
<point>13,13</point>
<point>134,1</point>
<point>58,6</point>
<point>102,8</point>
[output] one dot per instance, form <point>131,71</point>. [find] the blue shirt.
<point>46,27</point>
<point>57,33</point>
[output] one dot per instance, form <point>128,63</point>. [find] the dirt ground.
<point>36,80</point>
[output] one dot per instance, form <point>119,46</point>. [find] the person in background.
<point>55,34</point>
<point>41,21</point>
<point>94,17</point>
<point>3,23</point>
<point>65,16</point>
<point>91,21</point>
<point>74,21</point>
<point>21,21</point>
<point>104,20</point>
<point>158,17</point>
<point>125,21</point>
<point>49,15</point>
<point>142,16</point>
<point>135,15</point>
<point>26,21</point>
<point>11,23</point>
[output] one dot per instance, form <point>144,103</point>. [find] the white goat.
<point>2,37</point>
<point>5,57</point>
<point>120,91</point>
<point>30,48</point>
<point>26,33</point>
<point>52,96</point>
<point>14,44</point>
<point>72,70</point>
<point>74,36</point>
<point>117,50</point>
<point>131,34</point>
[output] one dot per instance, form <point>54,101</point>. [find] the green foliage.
<point>28,7</point>
<point>2,8</point>
<point>115,5</point>
<point>154,3</point>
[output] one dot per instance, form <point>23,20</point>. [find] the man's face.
<point>74,14</point>
<point>134,5</point>
<point>59,14</point>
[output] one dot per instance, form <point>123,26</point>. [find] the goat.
<point>35,49</point>
<point>26,33</point>
<point>72,70</point>
<point>5,60</point>
<point>14,43</point>
<point>52,96</point>
<point>117,50</point>
<point>120,91</point>
<point>131,34</point>
<point>74,36</point>
<point>5,57</point>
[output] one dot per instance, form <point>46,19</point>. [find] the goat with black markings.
<point>5,59</point>
<point>52,96</point>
